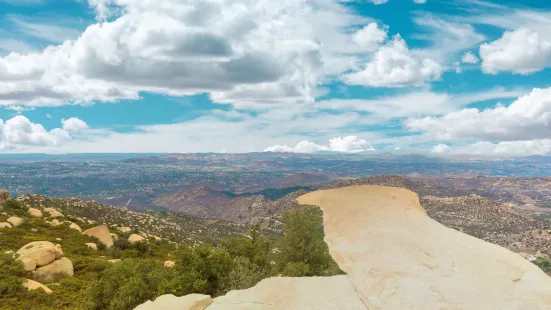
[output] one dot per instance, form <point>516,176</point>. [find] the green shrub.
<point>15,207</point>
<point>128,284</point>
<point>296,269</point>
<point>303,249</point>
<point>243,275</point>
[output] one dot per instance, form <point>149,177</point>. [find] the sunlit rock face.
<point>396,257</point>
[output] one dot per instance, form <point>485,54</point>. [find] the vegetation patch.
<point>126,275</point>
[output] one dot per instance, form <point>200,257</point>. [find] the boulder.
<point>53,212</point>
<point>92,246</point>
<point>15,221</point>
<point>169,264</point>
<point>75,227</point>
<point>114,236</point>
<point>56,222</point>
<point>5,225</point>
<point>42,252</point>
<point>59,266</point>
<point>4,196</point>
<point>114,261</point>
<point>135,238</point>
<point>171,302</point>
<point>157,238</point>
<point>33,285</point>
<point>9,252</point>
<point>29,264</point>
<point>34,230</point>
<point>124,229</point>
<point>35,212</point>
<point>143,234</point>
<point>102,233</point>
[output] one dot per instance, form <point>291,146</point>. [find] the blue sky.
<point>442,77</point>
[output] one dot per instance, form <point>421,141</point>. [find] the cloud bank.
<point>349,144</point>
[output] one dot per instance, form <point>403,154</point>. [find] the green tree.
<point>128,284</point>
<point>304,253</point>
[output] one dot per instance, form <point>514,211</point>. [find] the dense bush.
<point>11,276</point>
<point>304,253</point>
<point>126,285</point>
<point>15,207</point>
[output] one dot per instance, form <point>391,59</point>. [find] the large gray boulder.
<point>33,285</point>
<point>102,233</point>
<point>15,221</point>
<point>53,212</point>
<point>35,212</point>
<point>134,238</point>
<point>41,252</point>
<point>59,266</point>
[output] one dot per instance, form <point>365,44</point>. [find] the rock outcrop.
<point>169,264</point>
<point>92,246</point>
<point>396,257</point>
<point>4,196</point>
<point>334,292</point>
<point>59,266</point>
<point>75,227</point>
<point>124,229</point>
<point>102,233</point>
<point>41,252</point>
<point>44,259</point>
<point>15,221</point>
<point>33,285</point>
<point>53,212</point>
<point>29,264</point>
<point>35,212</point>
<point>171,302</point>
<point>135,238</point>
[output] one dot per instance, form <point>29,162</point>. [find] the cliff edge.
<point>396,257</point>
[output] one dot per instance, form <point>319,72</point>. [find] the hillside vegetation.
<point>130,272</point>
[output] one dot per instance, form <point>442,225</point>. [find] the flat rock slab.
<point>293,293</point>
<point>399,258</point>
<point>171,302</point>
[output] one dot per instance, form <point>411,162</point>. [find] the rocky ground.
<point>174,227</point>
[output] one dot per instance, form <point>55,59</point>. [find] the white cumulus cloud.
<point>527,118</point>
<point>511,148</point>
<point>350,144</point>
<point>74,124</point>
<point>237,51</point>
<point>521,51</point>
<point>442,149</point>
<point>370,36</point>
<point>19,132</point>
<point>394,65</point>
<point>469,58</point>
<point>420,1</point>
